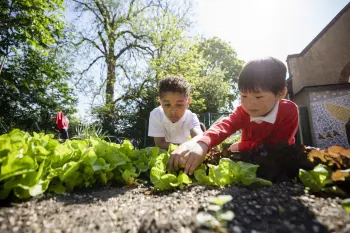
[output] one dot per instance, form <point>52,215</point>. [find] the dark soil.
<point>282,207</point>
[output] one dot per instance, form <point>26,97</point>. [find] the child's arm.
<point>161,143</point>
<point>195,150</point>
<point>196,132</point>
<point>195,126</point>
<point>223,129</point>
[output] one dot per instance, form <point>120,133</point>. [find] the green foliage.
<point>346,205</point>
<point>31,165</point>
<point>220,54</point>
<point>207,97</point>
<point>33,80</point>
<point>86,131</point>
<point>37,23</point>
<point>316,179</point>
<point>163,180</point>
<point>33,87</point>
<point>202,64</point>
<point>222,67</point>
<point>121,36</point>
<point>216,218</point>
<point>226,173</point>
<point>319,180</point>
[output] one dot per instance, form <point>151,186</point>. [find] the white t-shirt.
<point>178,132</point>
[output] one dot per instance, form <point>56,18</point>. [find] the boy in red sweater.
<point>264,116</point>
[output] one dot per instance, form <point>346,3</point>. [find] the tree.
<point>124,37</point>
<point>116,33</point>
<point>34,81</point>
<point>222,68</point>
<point>33,22</point>
<point>33,87</point>
<point>220,54</point>
<point>212,68</point>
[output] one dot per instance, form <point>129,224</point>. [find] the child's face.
<point>174,105</point>
<point>260,103</point>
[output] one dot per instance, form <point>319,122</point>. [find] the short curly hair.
<point>174,84</point>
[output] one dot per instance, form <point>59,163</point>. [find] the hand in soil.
<point>188,155</point>
<point>196,157</point>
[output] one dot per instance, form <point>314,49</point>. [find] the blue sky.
<point>257,28</point>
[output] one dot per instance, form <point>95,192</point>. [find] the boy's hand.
<point>192,155</point>
<point>233,147</point>
<point>177,156</point>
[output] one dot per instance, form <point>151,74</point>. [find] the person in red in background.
<point>264,116</point>
<point>62,125</point>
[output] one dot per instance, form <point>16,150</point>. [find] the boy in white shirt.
<point>172,122</point>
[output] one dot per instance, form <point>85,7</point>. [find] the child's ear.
<point>159,101</point>
<point>282,94</point>
<point>188,101</point>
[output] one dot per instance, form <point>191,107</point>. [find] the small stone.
<point>56,231</point>
<point>236,229</point>
<point>250,212</point>
<point>15,229</point>
<point>333,205</point>
<point>94,199</point>
<point>12,220</point>
<point>1,219</point>
<point>246,221</point>
<point>316,228</point>
<point>331,227</point>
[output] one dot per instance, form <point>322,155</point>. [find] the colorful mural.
<point>330,111</point>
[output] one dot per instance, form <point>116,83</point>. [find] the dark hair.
<point>268,74</point>
<point>174,84</point>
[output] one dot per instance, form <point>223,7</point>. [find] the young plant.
<point>216,218</point>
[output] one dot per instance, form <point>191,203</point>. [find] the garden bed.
<point>281,207</point>
<point>95,186</point>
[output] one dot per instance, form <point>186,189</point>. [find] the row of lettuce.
<point>34,164</point>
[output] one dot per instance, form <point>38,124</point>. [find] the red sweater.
<point>61,121</point>
<point>254,134</point>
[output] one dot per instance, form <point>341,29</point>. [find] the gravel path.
<point>280,208</point>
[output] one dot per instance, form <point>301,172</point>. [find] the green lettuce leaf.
<point>316,179</point>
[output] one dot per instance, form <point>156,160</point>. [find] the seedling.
<point>216,219</point>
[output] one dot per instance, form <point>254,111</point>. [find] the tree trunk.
<point>110,105</point>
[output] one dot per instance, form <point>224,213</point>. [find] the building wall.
<point>328,111</point>
<point>323,63</point>
<point>302,100</point>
